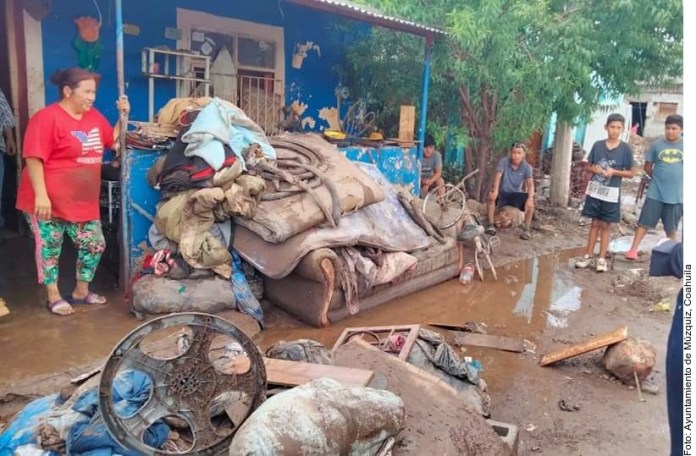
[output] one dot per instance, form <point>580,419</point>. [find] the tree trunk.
<point>483,162</point>
<point>560,165</point>
<point>478,119</point>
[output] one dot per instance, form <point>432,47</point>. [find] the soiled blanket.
<point>278,220</point>
<point>384,225</point>
<point>187,219</point>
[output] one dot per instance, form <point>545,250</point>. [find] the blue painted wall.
<point>400,166</point>
<point>313,84</point>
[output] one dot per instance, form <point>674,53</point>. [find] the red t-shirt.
<point>72,152</point>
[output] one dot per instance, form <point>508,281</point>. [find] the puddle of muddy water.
<point>529,296</point>
<point>33,341</point>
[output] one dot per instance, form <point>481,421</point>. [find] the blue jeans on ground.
<point>675,378</point>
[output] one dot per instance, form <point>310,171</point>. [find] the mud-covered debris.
<point>322,417</point>
<point>567,406</point>
<point>301,350</point>
<point>629,356</point>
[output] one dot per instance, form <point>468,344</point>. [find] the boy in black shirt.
<point>609,161</point>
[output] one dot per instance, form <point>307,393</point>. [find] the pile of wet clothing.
<point>204,183</point>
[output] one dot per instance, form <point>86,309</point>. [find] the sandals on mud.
<point>526,235</point>
<point>91,298</point>
<point>60,307</point>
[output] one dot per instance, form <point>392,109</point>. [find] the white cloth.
<point>223,76</point>
<point>219,123</point>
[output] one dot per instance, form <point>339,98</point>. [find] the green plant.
<point>506,65</point>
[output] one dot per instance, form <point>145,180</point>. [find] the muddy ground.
<point>539,297</point>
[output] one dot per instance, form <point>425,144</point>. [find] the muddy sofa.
<point>312,291</point>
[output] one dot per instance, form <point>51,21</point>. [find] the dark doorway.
<point>10,164</point>
<point>639,110</point>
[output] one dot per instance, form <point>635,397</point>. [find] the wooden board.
<point>383,332</point>
<point>489,341</point>
<point>595,343</point>
<point>292,373</point>
<point>467,327</point>
<point>407,123</point>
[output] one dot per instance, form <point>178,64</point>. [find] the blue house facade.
<point>262,55</point>
<point>261,36</point>
<point>282,52</point>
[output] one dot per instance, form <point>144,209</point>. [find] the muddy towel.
<point>385,225</point>
<point>279,219</point>
<point>321,417</point>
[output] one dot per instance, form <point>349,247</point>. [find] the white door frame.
<point>188,19</point>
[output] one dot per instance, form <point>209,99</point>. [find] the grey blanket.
<point>384,225</point>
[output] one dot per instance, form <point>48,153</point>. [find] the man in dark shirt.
<point>513,185</point>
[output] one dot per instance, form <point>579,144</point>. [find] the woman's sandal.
<point>91,298</point>
<point>60,307</point>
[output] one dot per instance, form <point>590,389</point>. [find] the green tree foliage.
<point>505,65</point>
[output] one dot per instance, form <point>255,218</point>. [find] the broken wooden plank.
<point>411,336</point>
<point>407,122</point>
<point>469,327</point>
<point>595,343</point>
<point>293,373</point>
<point>86,376</point>
<point>489,341</point>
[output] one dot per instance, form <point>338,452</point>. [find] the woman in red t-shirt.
<point>59,187</point>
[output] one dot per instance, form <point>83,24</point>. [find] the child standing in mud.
<point>609,162</point>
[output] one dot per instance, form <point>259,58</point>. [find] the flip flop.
<point>91,298</point>
<point>526,235</point>
<point>55,308</point>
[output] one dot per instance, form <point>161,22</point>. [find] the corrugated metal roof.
<point>352,10</point>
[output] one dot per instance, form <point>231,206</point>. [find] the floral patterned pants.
<point>48,234</point>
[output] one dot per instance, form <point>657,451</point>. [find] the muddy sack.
<point>301,350</point>
<point>158,295</point>
<point>321,417</point>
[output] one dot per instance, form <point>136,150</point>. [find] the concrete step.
<point>508,432</point>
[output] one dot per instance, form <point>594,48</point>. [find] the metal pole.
<point>124,232</point>
<point>424,93</point>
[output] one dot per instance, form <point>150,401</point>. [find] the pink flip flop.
<point>56,306</point>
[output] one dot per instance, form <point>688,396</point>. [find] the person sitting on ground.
<point>609,162</point>
<point>664,163</point>
<point>431,167</point>
<point>513,185</point>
